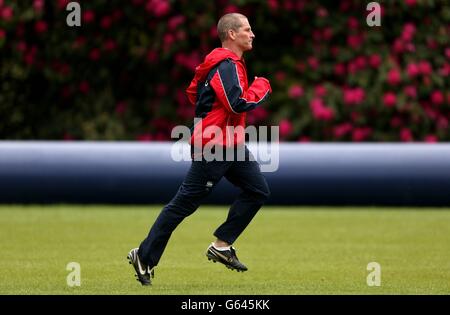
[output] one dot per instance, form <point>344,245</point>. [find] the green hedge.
<point>122,74</point>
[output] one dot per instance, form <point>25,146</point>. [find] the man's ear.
<point>232,34</point>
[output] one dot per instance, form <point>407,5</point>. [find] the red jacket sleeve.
<point>228,87</point>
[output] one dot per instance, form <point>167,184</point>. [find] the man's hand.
<point>265,80</point>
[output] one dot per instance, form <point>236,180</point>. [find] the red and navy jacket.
<point>221,96</point>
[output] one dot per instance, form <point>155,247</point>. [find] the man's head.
<point>235,32</point>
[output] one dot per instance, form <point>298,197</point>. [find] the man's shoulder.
<point>229,64</point>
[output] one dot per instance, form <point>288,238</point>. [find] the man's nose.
<point>252,35</point>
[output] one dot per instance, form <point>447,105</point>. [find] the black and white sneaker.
<point>227,257</point>
<point>143,272</point>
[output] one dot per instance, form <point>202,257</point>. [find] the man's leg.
<point>255,191</point>
<point>199,181</point>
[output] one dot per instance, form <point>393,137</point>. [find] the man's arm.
<point>228,88</point>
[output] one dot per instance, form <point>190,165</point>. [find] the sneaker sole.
<point>130,261</point>
<point>214,259</point>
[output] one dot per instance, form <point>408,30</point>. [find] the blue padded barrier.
<point>313,174</point>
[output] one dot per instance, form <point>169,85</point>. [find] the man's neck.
<point>236,51</point>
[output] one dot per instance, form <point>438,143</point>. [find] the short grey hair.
<point>230,21</point>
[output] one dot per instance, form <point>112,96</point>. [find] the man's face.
<point>244,36</point>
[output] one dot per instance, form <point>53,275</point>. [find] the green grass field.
<point>296,250</point>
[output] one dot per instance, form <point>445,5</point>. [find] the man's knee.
<point>266,193</point>
<point>262,195</point>
<point>195,193</point>
<point>188,198</point>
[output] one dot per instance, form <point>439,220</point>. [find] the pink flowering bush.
<point>122,74</point>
